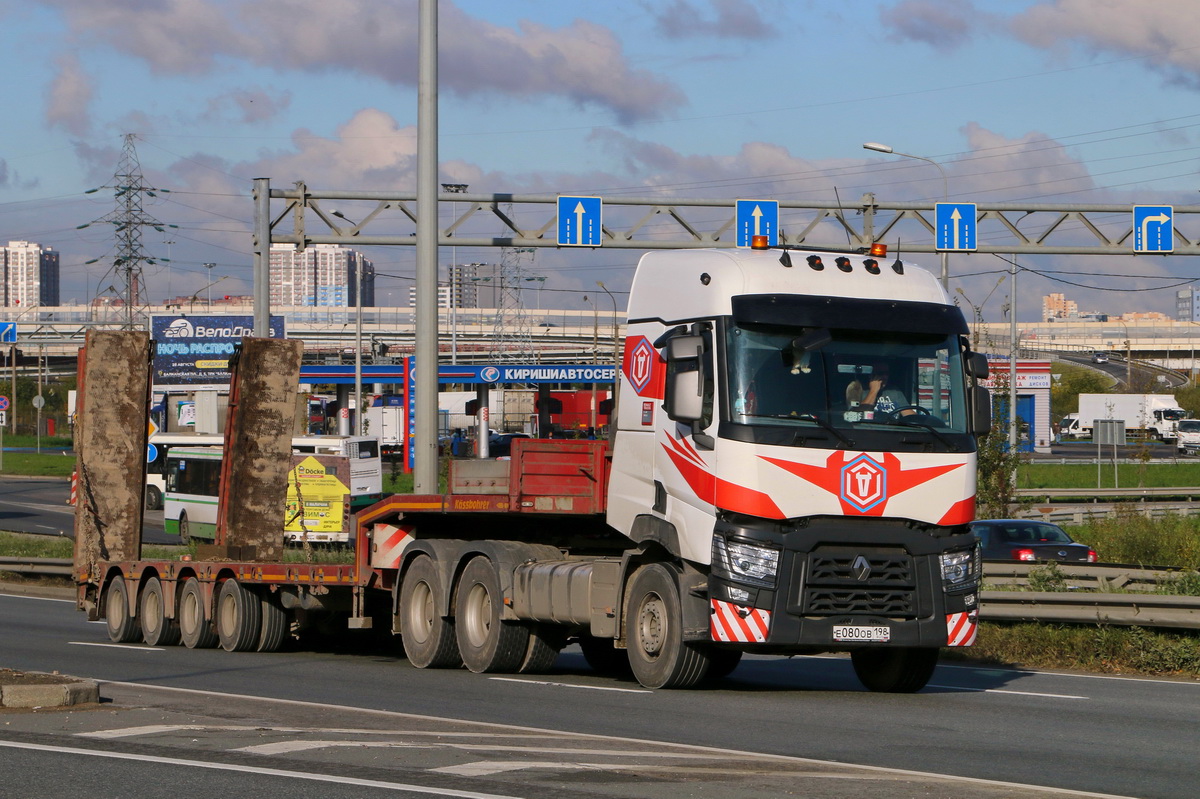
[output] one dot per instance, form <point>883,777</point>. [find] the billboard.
<point>194,351</point>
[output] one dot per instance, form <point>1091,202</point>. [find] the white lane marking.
<point>39,598</point>
<point>135,647</point>
<point>883,770</point>
<point>485,768</point>
<point>284,747</point>
<point>1026,672</point>
<point>1004,691</point>
<point>288,747</point>
<point>159,729</point>
<point>573,685</point>
<point>269,772</point>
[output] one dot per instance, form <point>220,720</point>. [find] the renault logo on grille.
<point>861,568</point>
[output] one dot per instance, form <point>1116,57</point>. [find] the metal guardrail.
<point>52,567</point>
<point>1081,606</point>
<point>1128,493</point>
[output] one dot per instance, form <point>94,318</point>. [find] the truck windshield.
<point>861,389</point>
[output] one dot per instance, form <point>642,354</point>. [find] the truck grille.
<point>848,581</point>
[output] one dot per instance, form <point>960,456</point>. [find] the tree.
<point>996,477</point>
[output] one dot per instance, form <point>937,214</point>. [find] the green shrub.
<point>1127,536</point>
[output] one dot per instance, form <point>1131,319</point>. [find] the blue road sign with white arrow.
<point>954,227</point>
<point>1153,228</point>
<point>579,221</point>
<point>757,218</point>
<point>8,332</point>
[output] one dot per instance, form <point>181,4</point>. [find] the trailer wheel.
<point>658,655</point>
<point>545,642</point>
<point>239,617</point>
<point>275,623</point>
<point>122,628</point>
<point>429,640</point>
<point>897,670</point>
<point>485,642</point>
<point>195,628</point>
<point>157,629</point>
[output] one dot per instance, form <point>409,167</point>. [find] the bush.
<point>1113,650</point>
<point>1127,536</point>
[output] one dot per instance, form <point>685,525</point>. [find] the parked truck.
<point>1148,415</point>
<point>792,471</point>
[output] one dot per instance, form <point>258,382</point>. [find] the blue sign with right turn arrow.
<point>1153,228</point>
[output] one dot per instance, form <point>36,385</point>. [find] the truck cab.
<point>800,429</point>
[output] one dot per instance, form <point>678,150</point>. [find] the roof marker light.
<point>843,263</point>
<point>872,266</point>
<point>879,250</point>
<point>760,243</point>
<point>815,262</point>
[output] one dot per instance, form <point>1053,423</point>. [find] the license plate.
<point>859,633</point>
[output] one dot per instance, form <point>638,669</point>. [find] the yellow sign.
<point>316,497</point>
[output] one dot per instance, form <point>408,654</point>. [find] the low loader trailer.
<point>791,470</point>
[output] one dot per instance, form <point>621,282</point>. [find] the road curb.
<point>71,691</point>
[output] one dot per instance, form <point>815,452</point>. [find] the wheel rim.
<point>152,611</point>
<point>187,613</point>
<point>114,609</point>
<point>478,615</point>
<point>420,615</point>
<point>227,613</point>
<point>651,626</point>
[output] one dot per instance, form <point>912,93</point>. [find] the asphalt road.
<point>1105,735</point>
<point>39,505</point>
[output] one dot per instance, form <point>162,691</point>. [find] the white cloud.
<point>1163,32</point>
<point>69,96</point>
<point>938,23</point>
<point>730,19</point>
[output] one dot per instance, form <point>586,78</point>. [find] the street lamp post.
<point>883,148</point>
<point>616,341</point>
<point>1128,358</point>
<point>455,277</point>
<point>595,352</point>
<point>358,336</point>
<point>210,267</point>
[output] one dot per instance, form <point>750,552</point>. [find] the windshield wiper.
<point>930,429</point>
<point>824,425</point>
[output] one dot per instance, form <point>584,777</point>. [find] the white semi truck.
<point>1149,415</point>
<point>792,472</point>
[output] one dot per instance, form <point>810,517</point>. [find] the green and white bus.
<point>193,481</point>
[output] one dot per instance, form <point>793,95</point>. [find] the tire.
<point>238,617</point>
<point>157,629</point>
<point>154,498</point>
<point>897,670</point>
<point>429,639</point>
<point>195,628</point>
<point>545,642</point>
<point>604,658</point>
<point>275,622</point>
<point>722,662</point>
<point>657,652</point>
<point>486,643</point>
<point>122,627</point>
<point>185,531</point>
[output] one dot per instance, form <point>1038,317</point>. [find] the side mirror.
<point>981,410</point>
<point>685,389</point>
<point>977,365</point>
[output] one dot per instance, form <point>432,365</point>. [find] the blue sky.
<point>1088,101</point>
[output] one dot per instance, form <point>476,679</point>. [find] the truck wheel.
<point>122,628</point>
<point>485,642</point>
<point>603,657</point>
<point>239,617</point>
<point>157,629</point>
<point>275,623</point>
<point>658,655</point>
<point>154,499</point>
<point>429,640</point>
<point>545,642</point>
<point>195,628</point>
<point>897,670</point>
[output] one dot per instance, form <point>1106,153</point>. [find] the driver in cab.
<point>870,394</point>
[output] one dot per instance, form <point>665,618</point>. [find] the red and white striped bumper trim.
<point>961,628</point>
<point>734,623</point>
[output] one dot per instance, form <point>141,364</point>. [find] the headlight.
<point>958,568</point>
<point>745,563</point>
